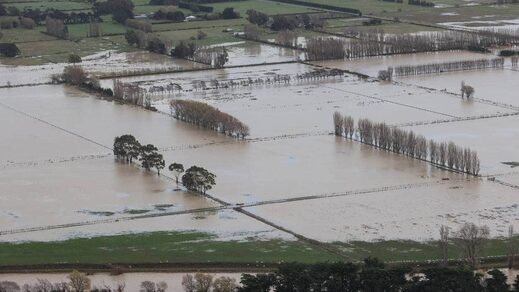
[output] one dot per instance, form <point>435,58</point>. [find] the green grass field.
<point>44,5</point>
<point>54,51</point>
<point>214,36</point>
<point>172,247</point>
<point>416,251</point>
<point>197,247</point>
<point>265,6</point>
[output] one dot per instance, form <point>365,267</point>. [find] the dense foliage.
<point>207,116</point>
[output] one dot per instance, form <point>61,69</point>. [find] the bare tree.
<point>224,284</point>
<point>338,121</point>
<point>471,239</point>
<point>203,282</point>
<point>511,247</point>
<point>466,90</point>
<point>188,283</point>
<point>79,282</point>
<point>444,244</point>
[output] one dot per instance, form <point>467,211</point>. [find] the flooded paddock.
<point>371,65</point>
<point>104,62</point>
<point>496,140</point>
<point>84,190</point>
<point>496,85</point>
<point>410,214</point>
<point>224,225</point>
<point>71,115</point>
<point>282,168</point>
<point>290,171</point>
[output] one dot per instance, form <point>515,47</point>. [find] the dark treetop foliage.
<point>198,179</point>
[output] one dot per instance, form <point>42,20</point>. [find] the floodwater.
<point>497,85</point>
<point>132,281</point>
<point>185,79</point>
<point>285,109</point>
<point>371,65</point>
<point>256,53</point>
<point>413,213</point>
<point>288,167</point>
<point>496,140</point>
<point>83,190</point>
<point>84,123</point>
<point>224,225</point>
<point>103,62</point>
<point>57,150</point>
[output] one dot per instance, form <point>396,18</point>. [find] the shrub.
<point>9,49</point>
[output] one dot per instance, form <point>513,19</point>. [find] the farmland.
<point>289,187</point>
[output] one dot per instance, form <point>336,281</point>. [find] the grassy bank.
<point>159,247</point>
<point>417,251</point>
<point>197,247</point>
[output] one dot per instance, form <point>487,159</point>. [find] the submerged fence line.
<point>447,67</point>
<point>447,155</point>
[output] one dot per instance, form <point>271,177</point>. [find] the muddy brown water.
<point>290,155</point>
<point>415,213</point>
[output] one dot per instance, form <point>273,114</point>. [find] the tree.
<point>9,286</point>
<point>201,35</point>
<point>177,169</point>
<point>73,58</point>
<point>203,282</point>
<point>224,284</point>
<point>149,286</point>
<point>281,22</point>
<point>516,284</point>
<point>511,247</point>
<point>257,283</point>
<point>188,283</point>
<point>229,13</point>
<point>183,50</point>
<point>131,37</point>
<point>122,15</point>
<point>338,121</point>
<point>444,244</point>
<point>74,75</point>
<point>150,158</point>
<point>472,239</point>
<point>9,50</point>
<point>497,282</point>
<point>79,282</point>
<point>256,17</point>
<point>198,179</point>
<point>127,147</point>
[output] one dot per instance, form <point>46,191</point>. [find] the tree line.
<point>376,42</point>
<point>131,93</point>
<point>370,275</point>
<point>448,67</point>
<point>209,117</point>
<point>127,148</point>
<point>277,79</point>
<point>56,27</point>
<point>324,49</point>
<point>407,143</point>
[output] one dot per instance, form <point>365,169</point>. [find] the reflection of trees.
<point>252,49</point>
